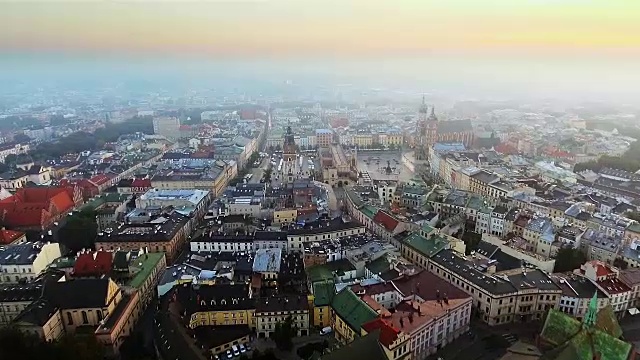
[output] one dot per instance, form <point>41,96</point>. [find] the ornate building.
<point>429,130</point>
<point>289,147</point>
<point>289,156</point>
<point>597,337</point>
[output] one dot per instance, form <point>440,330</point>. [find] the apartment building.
<point>25,261</point>
<point>277,309</point>
<point>337,228</point>
<point>217,305</point>
<point>420,247</point>
<point>577,292</point>
<point>220,242</point>
<point>606,279</point>
<point>66,306</point>
<point>194,202</point>
<point>348,314</point>
<point>539,233</point>
<point>154,230</point>
<point>14,298</point>
<point>599,246</point>
<point>511,296</point>
<point>631,278</point>
<point>430,317</point>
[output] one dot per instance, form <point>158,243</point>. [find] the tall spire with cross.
<point>592,311</point>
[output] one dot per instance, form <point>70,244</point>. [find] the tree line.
<point>629,161</point>
<point>81,141</point>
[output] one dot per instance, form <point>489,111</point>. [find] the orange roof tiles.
<point>388,333</point>
<point>35,206</point>
<point>385,220</point>
<point>9,236</point>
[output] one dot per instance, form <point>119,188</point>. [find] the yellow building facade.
<point>284,216</point>
<point>218,318</point>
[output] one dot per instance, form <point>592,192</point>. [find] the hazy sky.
<point>338,27</point>
<point>540,46</point>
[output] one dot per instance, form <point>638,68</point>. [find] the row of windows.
<point>85,317</point>
<point>15,270</point>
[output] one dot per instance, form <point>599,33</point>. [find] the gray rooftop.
<point>267,260</point>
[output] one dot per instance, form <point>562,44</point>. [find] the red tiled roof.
<point>20,216</point>
<point>9,236</point>
<point>613,286</point>
<point>93,264</point>
<point>143,183</point>
<point>601,268</point>
<point>388,333</point>
<point>506,149</point>
<point>428,286</point>
<point>386,220</point>
<point>35,206</point>
<point>100,179</point>
<point>62,202</point>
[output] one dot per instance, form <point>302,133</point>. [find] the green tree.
<point>10,160</point>
<point>471,241</point>
<point>21,138</point>
<point>569,259</point>
<point>80,231</point>
<point>620,264</point>
<point>17,345</point>
<point>267,175</point>
<point>284,333</point>
<point>633,215</point>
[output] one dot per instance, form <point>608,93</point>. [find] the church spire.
<point>424,108</point>
<point>432,116</point>
<point>592,311</point>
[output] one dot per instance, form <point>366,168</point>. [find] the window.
<point>69,319</point>
<point>85,319</point>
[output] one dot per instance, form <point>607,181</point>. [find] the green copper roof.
<point>323,292</point>
<point>351,309</point>
<point>327,271</point>
<point>145,265</point>
<point>606,321</point>
<point>369,211</point>
<point>427,229</point>
<point>379,265</point>
<point>562,331</point>
<point>319,273</point>
<point>592,311</point>
<point>426,246</point>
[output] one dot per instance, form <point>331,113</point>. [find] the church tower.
<point>288,156</point>
<point>432,128</point>
<point>421,130</point>
<point>426,131</point>
<point>289,147</point>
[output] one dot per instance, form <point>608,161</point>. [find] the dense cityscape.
<point>318,230</point>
